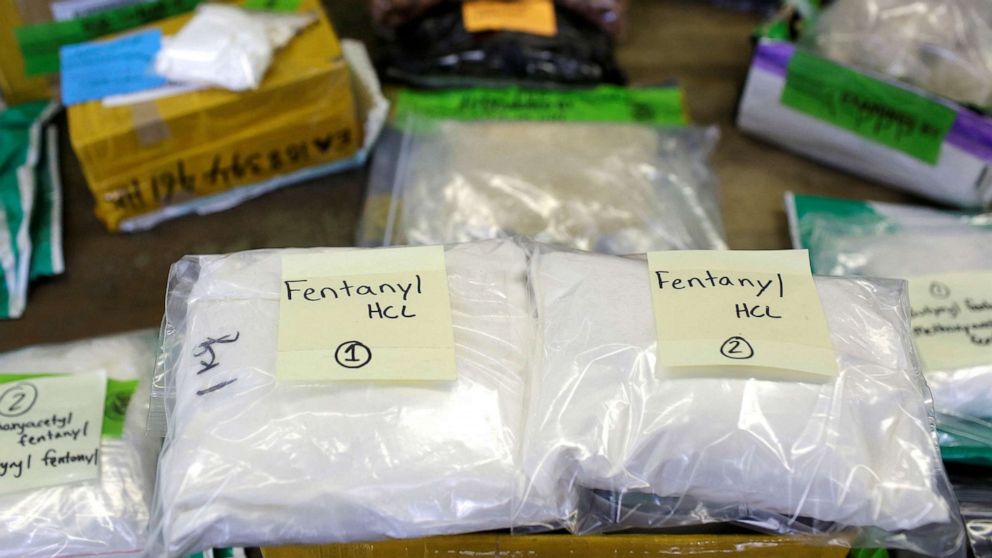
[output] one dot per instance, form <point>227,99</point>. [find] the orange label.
<point>536,17</point>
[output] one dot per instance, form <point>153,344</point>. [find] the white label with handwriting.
<point>739,313</point>
<point>952,319</point>
<point>50,429</point>
<point>380,314</point>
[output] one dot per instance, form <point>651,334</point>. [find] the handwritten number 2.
<point>18,399</point>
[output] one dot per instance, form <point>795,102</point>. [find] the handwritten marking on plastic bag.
<point>207,352</point>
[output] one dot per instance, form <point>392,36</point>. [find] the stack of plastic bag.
<point>107,516</point>
<point>30,202</point>
<point>948,256</point>
<point>611,170</point>
<point>622,444</point>
<point>559,421</point>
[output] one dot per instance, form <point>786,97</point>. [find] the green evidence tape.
<point>119,393</point>
<point>871,108</point>
<point>272,5</point>
<point>40,42</point>
<point>657,105</point>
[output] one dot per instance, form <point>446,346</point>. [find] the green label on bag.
<point>658,105</point>
<point>119,393</point>
<point>40,42</point>
<point>272,5</point>
<point>116,401</point>
<point>873,109</point>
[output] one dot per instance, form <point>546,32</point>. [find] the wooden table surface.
<point>116,283</point>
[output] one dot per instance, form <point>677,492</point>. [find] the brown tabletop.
<point>115,283</point>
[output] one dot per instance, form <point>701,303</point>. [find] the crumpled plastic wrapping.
<point>609,187</point>
<point>608,14</point>
<point>976,510</point>
<point>107,517</point>
<point>943,46</point>
<point>261,462</point>
<point>435,50</point>
<point>855,457</point>
<point>227,46</point>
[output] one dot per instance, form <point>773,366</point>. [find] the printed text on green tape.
<point>873,109</point>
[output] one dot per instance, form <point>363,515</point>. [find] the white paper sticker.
<point>952,319</point>
<point>50,429</point>
<point>744,313</point>
<point>363,315</point>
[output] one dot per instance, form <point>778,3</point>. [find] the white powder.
<point>857,451</point>
<point>102,518</point>
<point>227,46</point>
<point>616,188</point>
<point>944,46</point>
<point>262,462</point>
<point>905,253</point>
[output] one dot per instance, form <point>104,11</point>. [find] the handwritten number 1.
<point>351,353</point>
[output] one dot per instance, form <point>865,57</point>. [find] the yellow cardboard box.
<point>142,157</point>
<point>570,546</point>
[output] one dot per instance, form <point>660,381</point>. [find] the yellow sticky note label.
<point>739,313</point>
<point>536,17</point>
<point>952,319</point>
<point>365,315</point>
<point>50,430</point>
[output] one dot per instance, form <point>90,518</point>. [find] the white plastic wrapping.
<point>261,462</point>
<point>107,517</point>
<point>943,46</point>
<point>609,187</point>
<point>227,46</point>
<point>855,457</point>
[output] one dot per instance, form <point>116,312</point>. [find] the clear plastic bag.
<point>609,187</point>
<point>855,458</point>
<point>976,510</point>
<point>888,240</point>
<point>943,46</point>
<point>227,46</point>
<point>108,517</point>
<point>250,461</point>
